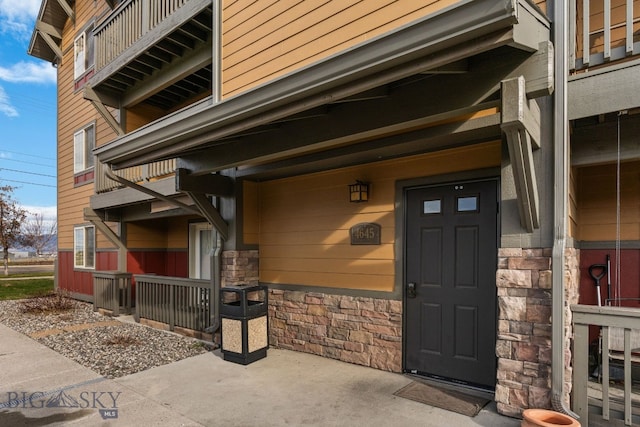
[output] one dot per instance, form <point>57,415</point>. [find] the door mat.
<point>446,399</point>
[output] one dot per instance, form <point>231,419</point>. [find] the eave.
<point>46,38</point>
<point>457,32</point>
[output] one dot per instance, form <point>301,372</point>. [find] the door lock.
<point>411,290</point>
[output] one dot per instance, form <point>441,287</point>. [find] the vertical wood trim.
<point>627,377</point>
<point>605,374</point>
<point>216,54</point>
<point>586,51</point>
<point>607,30</point>
<point>581,372</point>
<point>629,24</point>
<point>573,20</point>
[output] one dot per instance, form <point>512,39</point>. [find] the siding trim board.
<point>467,28</point>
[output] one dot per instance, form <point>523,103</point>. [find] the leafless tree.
<point>11,218</point>
<point>38,233</point>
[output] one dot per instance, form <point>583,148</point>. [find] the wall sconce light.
<point>359,192</point>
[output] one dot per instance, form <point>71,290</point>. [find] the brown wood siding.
<point>597,202</point>
<point>147,235</point>
<point>572,227</point>
<point>305,221</point>
<point>251,214</point>
<point>178,232</point>
<point>141,115</point>
<point>267,39</point>
<point>74,113</point>
<point>168,233</point>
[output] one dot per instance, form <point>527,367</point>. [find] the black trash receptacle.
<point>245,324</point>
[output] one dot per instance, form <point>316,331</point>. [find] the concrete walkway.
<point>285,388</point>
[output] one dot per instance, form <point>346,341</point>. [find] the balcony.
<point>608,390</point>
<point>611,33</point>
<point>137,174</point>
<point>154,51</point>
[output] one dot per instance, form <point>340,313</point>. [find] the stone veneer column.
<point>360,330</point>
<point>523,346</point>
<point>240,268</point>
<point>571,295</point>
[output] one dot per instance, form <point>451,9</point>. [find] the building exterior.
<point>205,143</point>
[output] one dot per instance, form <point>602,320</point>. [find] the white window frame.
<point>195,255</point>
<point>84,141</point>
<point>84,256</point>
<point>83,52</point>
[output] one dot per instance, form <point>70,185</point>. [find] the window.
<point>84,247</point>
<point>83,52</point>
<point>83,145</point>
<point>431,206</point>
<point>201,244</point>
<point>467,204</point>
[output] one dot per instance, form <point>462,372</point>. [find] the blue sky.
<point>27,112</point>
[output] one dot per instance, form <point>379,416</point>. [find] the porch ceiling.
<point>340,98</point>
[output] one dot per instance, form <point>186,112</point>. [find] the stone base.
<point>524,327</point>
<point>364,331</point>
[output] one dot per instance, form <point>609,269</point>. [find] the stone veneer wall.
<point>240,267</point>
<point>523,346</point>
<point>360,330</point>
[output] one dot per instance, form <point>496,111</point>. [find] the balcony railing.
<point>112,291</point>
<point>622,323</point>
<point>137,174</point>
<point>186,303</point>
<point>611,32</point>
<point>127,24</point>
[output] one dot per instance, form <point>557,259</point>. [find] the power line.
<point>27,163</point>
<point>28,183</point>
<point>28,173</point>
<point>25,154</point>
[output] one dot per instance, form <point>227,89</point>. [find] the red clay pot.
<point>546,418</point>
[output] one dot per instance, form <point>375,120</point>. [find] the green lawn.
<point>18,289</point>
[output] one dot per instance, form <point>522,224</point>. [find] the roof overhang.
<point>46,38</point>
<point>467,28</point>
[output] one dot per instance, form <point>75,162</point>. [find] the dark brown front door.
<point>450,294</point>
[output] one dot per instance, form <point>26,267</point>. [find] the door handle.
<point>411,290</point>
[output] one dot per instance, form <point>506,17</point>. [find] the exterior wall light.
<point>359,192</point>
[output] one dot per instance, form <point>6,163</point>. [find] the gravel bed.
<point>111,351</point>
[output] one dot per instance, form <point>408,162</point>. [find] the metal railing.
<point>112,291</point>
<point>610,320</point>
<point>610,33</point>
<point>186,303</point>
<point>127,24</point>
<point>137,174</point>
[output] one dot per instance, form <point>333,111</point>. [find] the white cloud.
<point>16,17</point>
<point>6,107</point>
<point>28,72</point>
<point>20,10</point>
<point>48,212</point>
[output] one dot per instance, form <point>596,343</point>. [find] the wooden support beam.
<point>67,9</point>
<point>521,126</point>
<point>98,222</point>
<point>43,27</point>
<point>52,44</point>
<point>213,184</point>
<point>92,96</point>
<point>210,213</point>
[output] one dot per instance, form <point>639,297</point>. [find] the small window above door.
<point>467,204</point>
<point>432,206</point>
